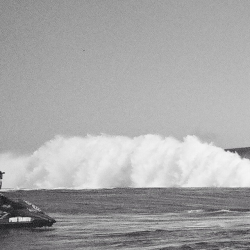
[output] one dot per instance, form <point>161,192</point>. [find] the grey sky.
<point>124,68</point>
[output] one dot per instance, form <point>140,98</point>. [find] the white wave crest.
<point>117,161</point>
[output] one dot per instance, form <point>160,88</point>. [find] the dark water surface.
<point>165,218</point>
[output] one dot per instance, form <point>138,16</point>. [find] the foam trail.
<point>117,161</point>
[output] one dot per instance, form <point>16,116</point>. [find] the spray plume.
<point>118,161</point>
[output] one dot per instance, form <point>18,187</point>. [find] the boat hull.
<point>18,214</point>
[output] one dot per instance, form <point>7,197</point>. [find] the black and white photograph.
<point>124,124</point>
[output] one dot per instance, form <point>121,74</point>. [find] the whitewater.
<point>115,192</point>
<point>104,161</point>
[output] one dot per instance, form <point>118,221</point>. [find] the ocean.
<point>136,218</point>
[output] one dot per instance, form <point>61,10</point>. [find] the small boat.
<point>21,213</point>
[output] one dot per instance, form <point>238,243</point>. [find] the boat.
<point>21,213</point>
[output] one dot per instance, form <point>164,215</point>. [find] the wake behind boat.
<point>21,213</point>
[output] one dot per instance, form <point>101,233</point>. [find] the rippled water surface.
<point>166,218</point>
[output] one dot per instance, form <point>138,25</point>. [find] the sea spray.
<point>118,161</point>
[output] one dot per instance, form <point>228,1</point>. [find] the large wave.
<point>117,161</point>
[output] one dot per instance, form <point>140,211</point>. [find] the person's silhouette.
<point>1,177</point>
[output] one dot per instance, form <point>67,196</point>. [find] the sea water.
<point>136,218</point>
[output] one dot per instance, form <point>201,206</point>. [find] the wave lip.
<point>195,211</point>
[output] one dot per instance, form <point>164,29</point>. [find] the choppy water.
<point>166,218</point>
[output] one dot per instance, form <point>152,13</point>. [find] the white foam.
<point>117,161</point>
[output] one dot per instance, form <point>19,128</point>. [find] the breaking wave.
<point>118,161</point>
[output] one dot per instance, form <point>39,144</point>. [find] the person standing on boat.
<point>1,177</point>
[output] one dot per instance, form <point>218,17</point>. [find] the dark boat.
<point>21,213</point>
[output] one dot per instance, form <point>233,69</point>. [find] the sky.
<point>131,68</point>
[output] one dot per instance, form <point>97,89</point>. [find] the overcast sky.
<point>129,68</point>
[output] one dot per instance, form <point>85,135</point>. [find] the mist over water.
<point>117,161</point>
